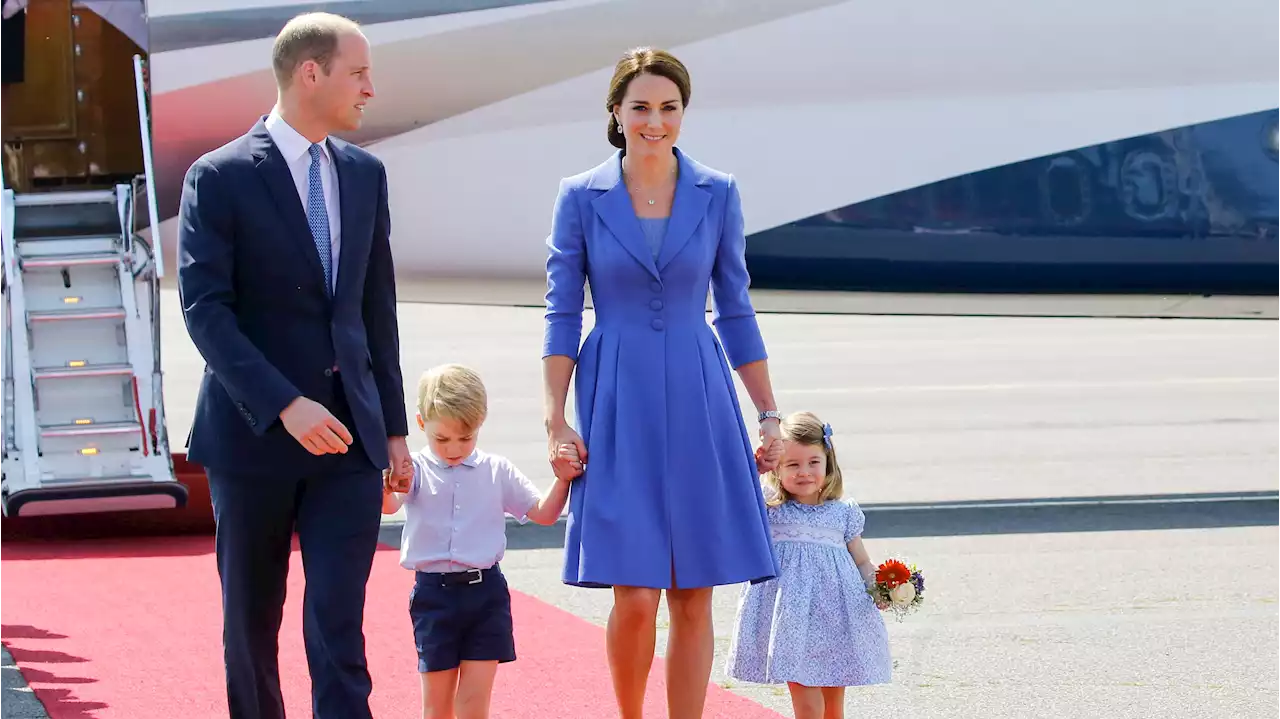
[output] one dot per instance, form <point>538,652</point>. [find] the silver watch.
<point>769,414</point>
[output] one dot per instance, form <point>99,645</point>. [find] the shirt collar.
<point>472,460</point>
<point>289,141</point>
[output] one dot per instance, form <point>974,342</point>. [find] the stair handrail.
<point>144,125</point>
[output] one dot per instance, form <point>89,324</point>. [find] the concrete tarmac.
<point>1093,500</point>
<point>925,408</point>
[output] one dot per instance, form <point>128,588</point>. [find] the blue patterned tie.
<point>318,215</point>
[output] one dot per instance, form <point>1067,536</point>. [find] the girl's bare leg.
<point>806,702</point>
<point>833,698</point>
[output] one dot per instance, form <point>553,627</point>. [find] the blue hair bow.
<point>826,435</point>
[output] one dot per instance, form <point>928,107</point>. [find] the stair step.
<point>105,313</point>
<point>87,370</point>
<point>89,430</point>
<point>89,234</point>
<point>72,260</point>
<point>77,197</point>
<point>93,481</point>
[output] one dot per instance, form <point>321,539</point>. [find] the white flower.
<point>903,593</point>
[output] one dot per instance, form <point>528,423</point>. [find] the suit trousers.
<point>333,504</point>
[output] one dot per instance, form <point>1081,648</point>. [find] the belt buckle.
<point>479,576</point>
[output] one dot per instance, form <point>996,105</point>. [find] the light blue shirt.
<point>296,151</point>
<point>455,517</point>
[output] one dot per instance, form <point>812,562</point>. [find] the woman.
<point>671,497</point>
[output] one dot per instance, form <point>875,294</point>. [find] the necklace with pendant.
<point>674,170</point>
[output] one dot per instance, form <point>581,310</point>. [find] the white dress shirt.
<point>296,151</point>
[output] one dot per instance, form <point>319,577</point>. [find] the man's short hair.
<point>452,391</point>
<point>309,36</point>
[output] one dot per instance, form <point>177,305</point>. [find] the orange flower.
<point>892,573</point>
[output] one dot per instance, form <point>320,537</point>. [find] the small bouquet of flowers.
<point>898,587</point>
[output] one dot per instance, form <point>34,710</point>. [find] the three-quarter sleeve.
<point>566,278</point>
<point>732,314</point>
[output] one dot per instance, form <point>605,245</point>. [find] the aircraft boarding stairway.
<point>83,412</point>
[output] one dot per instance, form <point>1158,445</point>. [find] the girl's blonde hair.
<point>805,428</point>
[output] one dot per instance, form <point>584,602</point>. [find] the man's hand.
<point>315,428</point>
<point>400,473</point>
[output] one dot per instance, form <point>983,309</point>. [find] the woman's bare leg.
<point>630,638</point>
<point>690,651</point>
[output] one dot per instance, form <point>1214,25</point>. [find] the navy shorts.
<point>456,618</point>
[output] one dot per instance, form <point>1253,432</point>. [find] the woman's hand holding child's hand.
<point>768,456</point>
<point>566,464</point>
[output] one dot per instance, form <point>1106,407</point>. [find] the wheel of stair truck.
<point>193,517</point>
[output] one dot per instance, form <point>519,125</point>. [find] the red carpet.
<point>130,628</point>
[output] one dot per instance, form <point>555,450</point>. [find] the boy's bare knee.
<point>475,688</point>
<point>438,689</point>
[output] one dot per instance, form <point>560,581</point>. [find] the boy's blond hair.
<point>805,428</point>
<point>453,391</point>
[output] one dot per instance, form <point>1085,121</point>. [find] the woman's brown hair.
<point>805,428</point>
<point>640,61</point>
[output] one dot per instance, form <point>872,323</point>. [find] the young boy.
<point>454,536</point>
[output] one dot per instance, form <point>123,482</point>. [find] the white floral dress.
<point>814,625</point>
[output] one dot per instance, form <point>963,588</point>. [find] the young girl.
<point>814,627</point>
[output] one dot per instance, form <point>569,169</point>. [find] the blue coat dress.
<point>670,490</point>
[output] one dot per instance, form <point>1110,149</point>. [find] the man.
<point>287,289</point>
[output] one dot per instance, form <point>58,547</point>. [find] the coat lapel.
<point>615,210</point>
<point>275,172</point>
<point>688,209</point>
<point>347,185</point>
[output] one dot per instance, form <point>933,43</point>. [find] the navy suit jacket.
<point>256,306</point>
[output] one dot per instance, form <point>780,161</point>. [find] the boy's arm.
<point>391,502</point>
<point>547,509</point>
<point>394,490</point>
<point>523,501</point>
